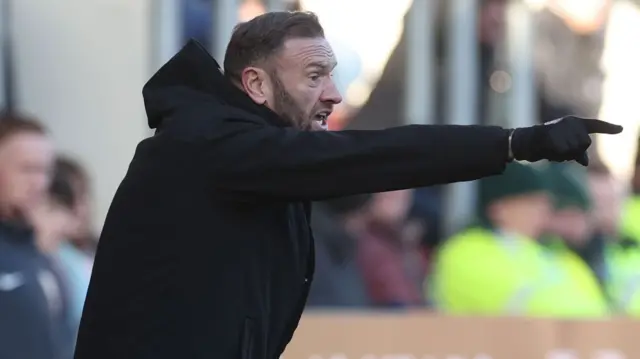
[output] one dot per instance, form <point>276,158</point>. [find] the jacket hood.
<point>188,75</point>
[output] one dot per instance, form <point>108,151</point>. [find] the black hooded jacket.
<point>206,251</point>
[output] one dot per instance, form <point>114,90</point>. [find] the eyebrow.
<point>325,65</point>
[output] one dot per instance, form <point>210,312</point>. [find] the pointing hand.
<point>564,139</point>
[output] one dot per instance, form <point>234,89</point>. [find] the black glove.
<point>564,139</point>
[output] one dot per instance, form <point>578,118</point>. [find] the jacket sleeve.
<point>249,158</point>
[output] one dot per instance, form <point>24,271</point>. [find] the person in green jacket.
<point>569,241</point>
<point>497,267</point>
<point>630,223</point>
<point>621,253</point>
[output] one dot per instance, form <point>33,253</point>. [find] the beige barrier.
<point>428,336</point>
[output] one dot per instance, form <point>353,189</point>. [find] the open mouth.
<point>321,118</point>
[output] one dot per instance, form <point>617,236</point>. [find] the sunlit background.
<point>79,67</point>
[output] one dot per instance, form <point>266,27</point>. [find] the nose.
<point>330,93</point>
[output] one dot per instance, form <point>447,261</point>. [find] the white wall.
<point>81,68</point>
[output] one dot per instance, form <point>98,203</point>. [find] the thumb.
<point>583,159</point>
<point>599,126</point>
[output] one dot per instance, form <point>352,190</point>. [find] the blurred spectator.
<point>571,222</point>
<point>390,254</point>
<point>82,235</point>
<point>568,53</point>
<point>385,105</point>
<point>32,292</point>
<point>607,200</point>
<point>498,267</point>
<point>69,194</point>
<point>622,254</point>
<point>197,20</point>
<point>493,267</point>
<point>631,213</point>
<point>338,281</point>
<point>577,254</point>
<point>53,218</point>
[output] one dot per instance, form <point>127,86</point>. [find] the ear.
<point>255,83</point>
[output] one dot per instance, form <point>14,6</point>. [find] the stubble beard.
<point>286,107</point>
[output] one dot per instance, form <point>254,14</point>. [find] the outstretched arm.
<point>251,158</point>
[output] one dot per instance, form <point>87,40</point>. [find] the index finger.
<point>599,126</point>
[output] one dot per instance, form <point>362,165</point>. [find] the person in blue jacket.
<point>33,310</point>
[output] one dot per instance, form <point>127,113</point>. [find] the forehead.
<point>26,144</point>
<point>306,52</point>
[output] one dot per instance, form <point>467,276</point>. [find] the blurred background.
<point>543,240</point>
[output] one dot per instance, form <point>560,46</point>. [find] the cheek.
<point>306,98</point>
<point>13,184</point>
<point>577,225</point>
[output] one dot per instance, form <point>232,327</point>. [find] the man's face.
<point>525,214</point>
<point>25,166</point>
<point>300,86</point>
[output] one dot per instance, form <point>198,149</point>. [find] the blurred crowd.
<point>552,240</point>
<point>46,242</point>
<point>547,239</point>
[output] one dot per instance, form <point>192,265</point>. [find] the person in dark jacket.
<point>206,251</point>
<point>338,281</point>
<point>33,301</point>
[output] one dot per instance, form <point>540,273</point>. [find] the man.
<point>569,241</point>
<point>621,269</point>
<point>338,281</point>
<point>384,107</point>
<point>389,251</point>
<point>82,236</point>
<point>33,319</point>
<point>498,267</point>
<point>568,54</point>
<point>630,221</point>
<point>70,197</point>
<point>490,268</point>
<point>572,203</point>
<point>206,251</point>
<point>55,221</point>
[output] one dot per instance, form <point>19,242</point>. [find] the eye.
<point>314,76</point>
